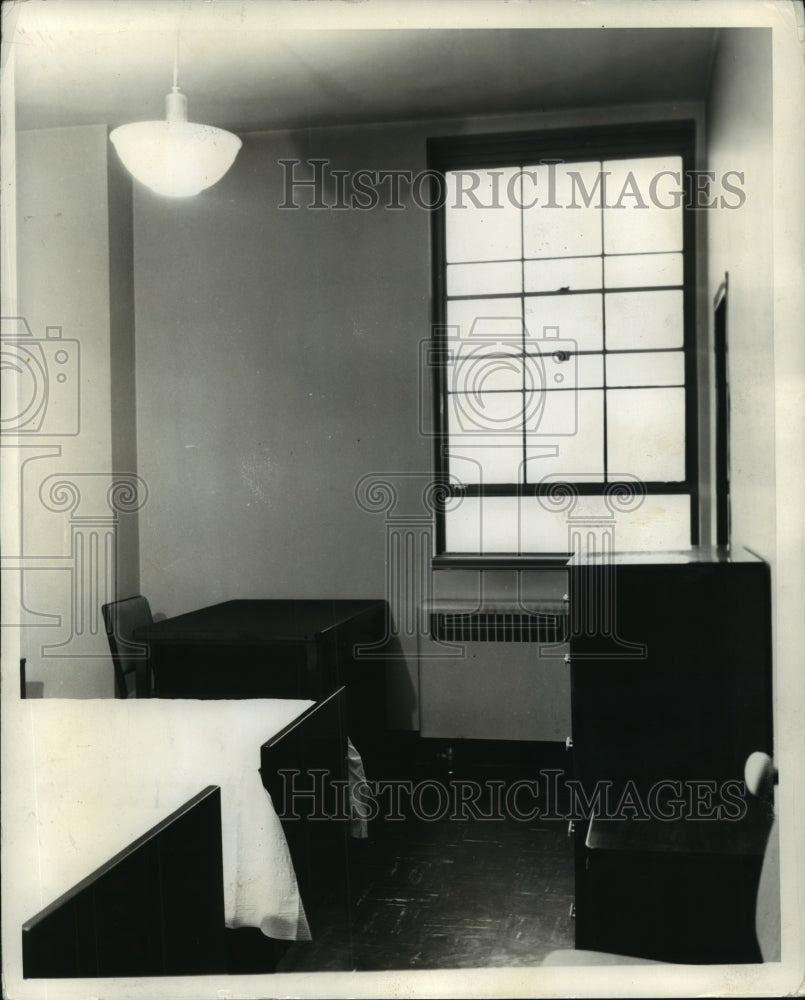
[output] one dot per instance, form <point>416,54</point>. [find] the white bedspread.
<point>107,770</point>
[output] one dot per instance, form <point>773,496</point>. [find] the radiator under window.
<point>496,626</point>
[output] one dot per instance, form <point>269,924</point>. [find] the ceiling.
<point>245,68</point>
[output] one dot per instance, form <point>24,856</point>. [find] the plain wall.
<point>278,365</point>
<point>741,251</point>
<point>74,268</point>
<point>755,125</point>
<point>741,243</point>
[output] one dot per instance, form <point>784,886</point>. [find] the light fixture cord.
<point>176,102</point>
<point>176,63</point>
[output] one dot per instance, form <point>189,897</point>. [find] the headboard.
<point>154,909</point>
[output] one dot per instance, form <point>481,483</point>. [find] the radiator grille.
<point>497,626</point>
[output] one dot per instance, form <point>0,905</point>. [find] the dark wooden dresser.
<point>670,658</point>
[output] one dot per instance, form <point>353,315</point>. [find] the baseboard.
<point>408,755</point>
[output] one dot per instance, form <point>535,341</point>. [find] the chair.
<point>130,658</point>
<point>760,777</point>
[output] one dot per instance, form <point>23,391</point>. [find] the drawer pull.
<point>568,743</point>
<point>572,911</point>
<point>571,828</point>
<point>566,598</point>
<point>567,658</point>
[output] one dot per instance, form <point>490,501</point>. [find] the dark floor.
<point>450,894</point>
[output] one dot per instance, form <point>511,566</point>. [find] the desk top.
<point>260,621</point>
<point>699,554</point>
<point>746,836</point>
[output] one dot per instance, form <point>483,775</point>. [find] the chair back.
<point>767,909</point>
<point>129,658</point>
<point>761,778</point>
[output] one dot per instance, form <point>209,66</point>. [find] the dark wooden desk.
<point>679,891</point>
<point>276,648</point>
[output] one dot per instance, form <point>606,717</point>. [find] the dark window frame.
<point>675,138</point>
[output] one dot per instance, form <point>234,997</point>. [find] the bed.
<point>117,779</point>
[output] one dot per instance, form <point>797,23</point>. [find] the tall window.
<point>564,333</point>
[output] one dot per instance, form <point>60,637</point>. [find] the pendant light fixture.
<point>175,157</point>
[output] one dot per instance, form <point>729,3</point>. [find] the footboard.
<point>304,770</point>
<point>154,909</point>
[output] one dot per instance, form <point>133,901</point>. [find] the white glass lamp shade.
<point>175,157</point>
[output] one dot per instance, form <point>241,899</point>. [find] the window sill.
<point>492,560</point>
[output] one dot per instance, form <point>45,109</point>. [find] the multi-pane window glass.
<point>565,323</point>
